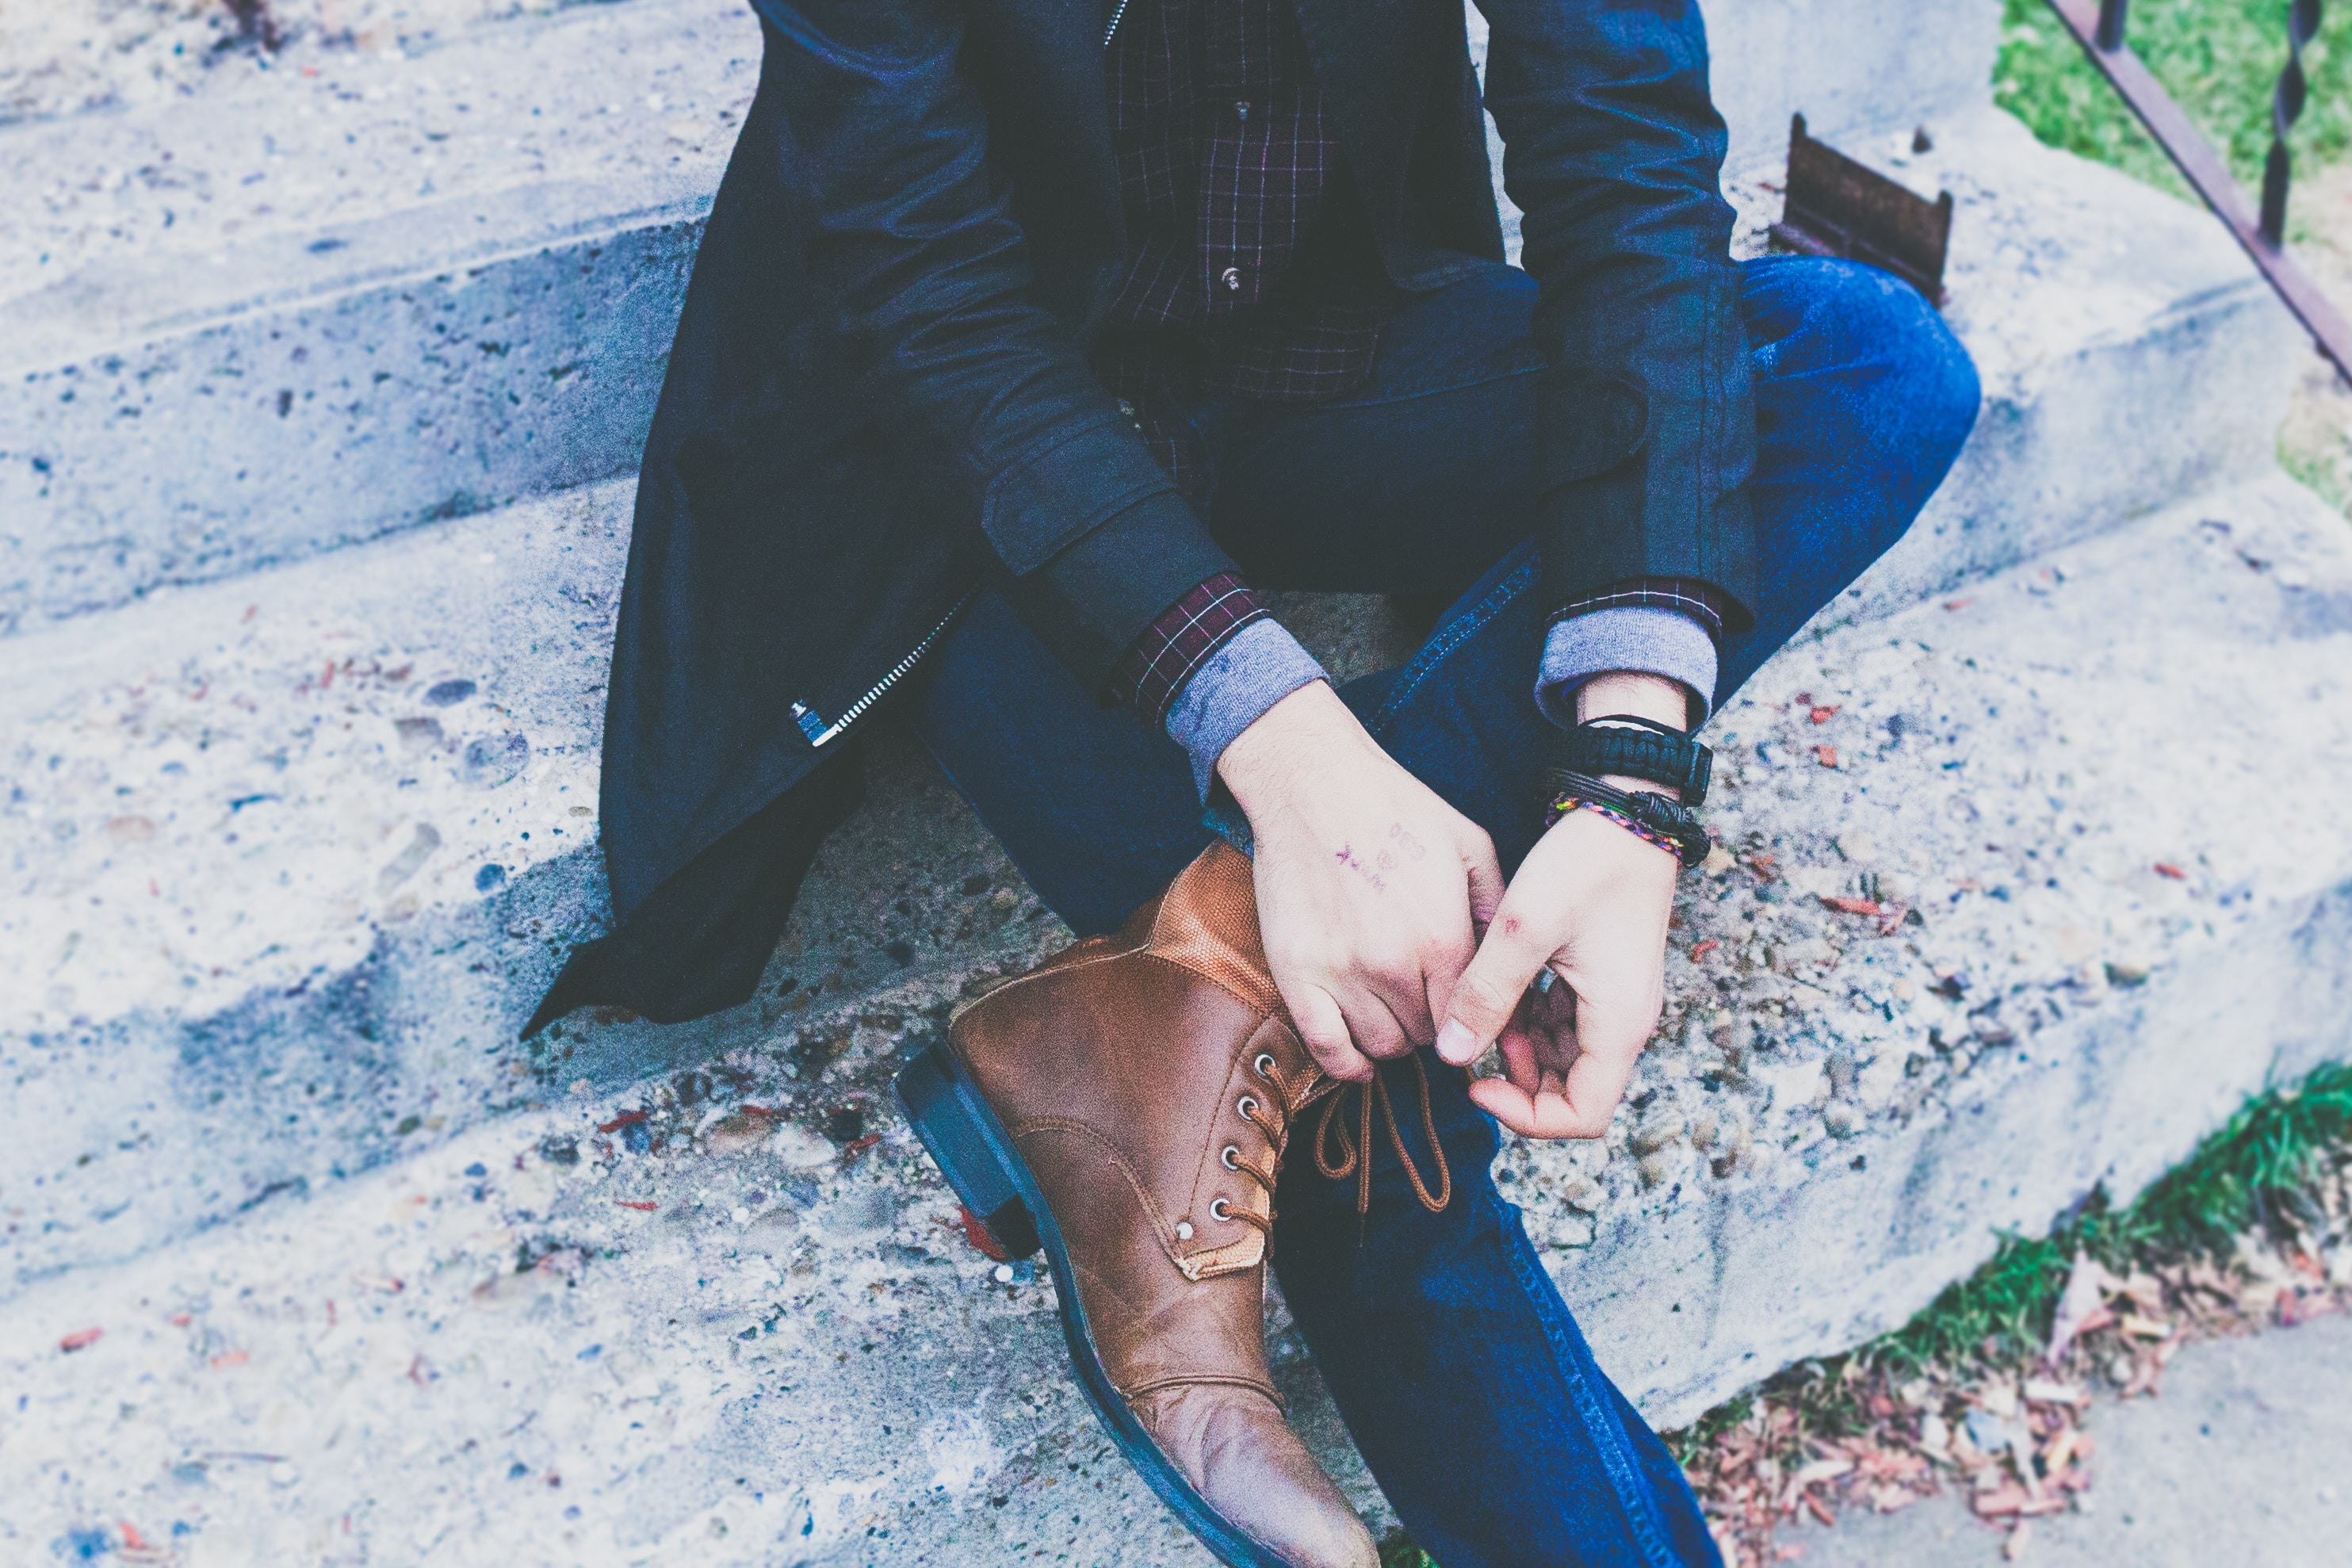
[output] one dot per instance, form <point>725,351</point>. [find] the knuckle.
<point>1477,993</point>
<point>1438,950</point>
<point>1331,1049</point>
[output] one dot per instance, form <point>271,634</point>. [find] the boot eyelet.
<point>1230,1158</point>
<point>1247,1106</point>
<point>1265,1065</point>
<point>1219,1210</point>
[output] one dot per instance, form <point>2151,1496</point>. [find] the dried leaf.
<point>1821,1470</point>
<point>2001,1503</point>
<point>1854,906</point>
<point>2086,1286</point>
<point>2044,1391</point>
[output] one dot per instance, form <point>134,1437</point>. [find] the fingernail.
<point>1456,1044</point>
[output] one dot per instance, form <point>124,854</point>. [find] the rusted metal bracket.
<point>2099,29</point>
<point>1837,207</point>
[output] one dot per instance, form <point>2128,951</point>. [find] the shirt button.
<point>1232,279</point>
<point>1241,109</point>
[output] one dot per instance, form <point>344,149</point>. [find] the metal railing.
<point>2098,27</point>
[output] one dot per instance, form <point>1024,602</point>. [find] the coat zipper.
<point>818,732</point>
<point>814,727</point>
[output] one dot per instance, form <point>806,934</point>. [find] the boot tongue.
<point>1207,922</point>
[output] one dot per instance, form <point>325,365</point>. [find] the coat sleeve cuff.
<point>1092,599</point>
<point>1642,639</point>
<point>1256,668</point>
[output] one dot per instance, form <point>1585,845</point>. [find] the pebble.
<point>1657,1133</point>
<point>797,1149</point>
<point>1842,1072</point>
<point>1004,1274</point>
<point>737,1133</point>
<point>1654,1169</point>
<point>1841,1119</point>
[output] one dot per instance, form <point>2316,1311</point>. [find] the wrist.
<point>1267,757</point>
<point>1644,696</point>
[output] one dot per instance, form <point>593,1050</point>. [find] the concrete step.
<point>292,855</point>
<point>304,307</point>
<point>615,1326</point>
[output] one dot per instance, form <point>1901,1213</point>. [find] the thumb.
<point>1488,992</point>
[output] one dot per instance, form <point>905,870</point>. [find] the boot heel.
<point>947,1114</point>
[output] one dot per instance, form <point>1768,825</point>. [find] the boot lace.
<point>1290,1096</point>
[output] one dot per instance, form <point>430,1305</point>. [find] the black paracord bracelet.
<point>1672,827</point>
<point>1630,745</point>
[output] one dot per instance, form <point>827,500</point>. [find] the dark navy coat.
<point>878,395</point>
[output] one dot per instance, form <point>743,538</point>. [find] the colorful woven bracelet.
<point>1568,803</point>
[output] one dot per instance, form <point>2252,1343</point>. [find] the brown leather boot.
<point>1127,1106</point>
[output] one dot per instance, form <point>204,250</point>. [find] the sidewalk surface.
<point>2241,1460</point>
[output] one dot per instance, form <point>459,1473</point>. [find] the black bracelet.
<point>1669,825</point>
<point>1629,746</point>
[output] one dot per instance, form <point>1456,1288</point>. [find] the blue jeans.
<point>1460,1372</point>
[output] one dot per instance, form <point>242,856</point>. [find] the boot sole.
<point>977,1156</point>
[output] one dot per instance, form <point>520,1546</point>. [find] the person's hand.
<point>1589,905</point>
<point>1368,884</point>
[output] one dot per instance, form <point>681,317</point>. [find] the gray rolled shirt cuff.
<point>1644,639</point>
<point>1258,666</point>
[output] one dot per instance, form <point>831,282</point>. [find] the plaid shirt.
<point>1224,160</point>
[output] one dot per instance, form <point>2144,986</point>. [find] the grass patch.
<point>2219,60</point>
<point>2254,1174</point>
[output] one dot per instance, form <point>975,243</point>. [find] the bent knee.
<point>1941,382</point>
